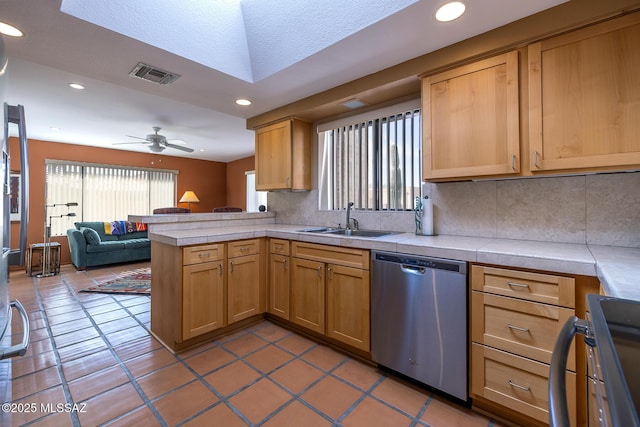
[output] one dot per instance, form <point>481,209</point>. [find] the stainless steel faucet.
<point>349,219</point>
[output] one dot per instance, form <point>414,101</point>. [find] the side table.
<point>35,257</point>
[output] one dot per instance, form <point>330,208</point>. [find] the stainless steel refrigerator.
<point>11,346</point>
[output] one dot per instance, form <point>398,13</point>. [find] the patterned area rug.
<point>138,282</point>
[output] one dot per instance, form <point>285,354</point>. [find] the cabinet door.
<point>202,298</point>
<point>348,301</point>
<point>307,294</point>
<point>243,287</point>
<point>584,98</point>
<point>279,285</point>
<point>471,120</point>
<point>273,157</point>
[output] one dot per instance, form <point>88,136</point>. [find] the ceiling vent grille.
<point>153,74</point>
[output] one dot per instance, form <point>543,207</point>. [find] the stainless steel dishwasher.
<point>419,319</point>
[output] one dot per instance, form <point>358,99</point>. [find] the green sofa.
<point>90,246</point>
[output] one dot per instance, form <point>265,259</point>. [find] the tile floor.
<point>94,351</point>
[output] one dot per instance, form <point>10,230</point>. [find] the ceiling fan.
<point>157,142</point>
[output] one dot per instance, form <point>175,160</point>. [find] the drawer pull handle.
<point>204,255</point>
<point>220,269</point>
<point>279,247</point>
<point>517,328</point>
<point>517,285</point>
<point>518,386</point>
<point>243,249</point>
<point>231,267</point>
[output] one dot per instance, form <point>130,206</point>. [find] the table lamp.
<point>189,197</point>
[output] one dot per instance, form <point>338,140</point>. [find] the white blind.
<point>104,193</point>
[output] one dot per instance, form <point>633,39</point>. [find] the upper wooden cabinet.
<point>584,98</point>
<point>283,156</point>
<point>471,120</point>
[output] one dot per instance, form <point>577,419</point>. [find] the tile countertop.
<point>617,268</point>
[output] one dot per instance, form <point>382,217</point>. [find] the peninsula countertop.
<point>617,268</point>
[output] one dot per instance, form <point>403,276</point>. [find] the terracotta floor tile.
<point>76,337</point>
<point>164,380</point>
<point>137,347</point>
<point>103,308</point>
<point>209,360</point>
<point>36,335</point>
<point>269,331</point>
<point>25,365</point>
<point>244,344</point>
<point>359,374</point>
<point>98,382</point>
<point>184,402</point>
<point>74,325</point>
<point>51,396</point>
<point>140,307</point>
<point>88,364</point>
<point>372,413</point>
<point>324,357</point>
<point>33,383</point>
<point>149,362</point>
<point>296,376</point>
<point>126,335</point>
<point>110,405</point>
<point>37,347</point>
<point>403,396</point>
<point>138,417</point>
<point>117,325</point>
<point>68,310</point>
<point>81,349</point>
<point>440,414</point>
<point>55,319</point>
<point>232,377</point>
<point>109,316</point>
<point>220,415</point>
<point>296,344</point>
<point>260,400</point>
<point>296,414</point>
<point>332,396</point>
<point>58,419</point>
<point>268,358</point>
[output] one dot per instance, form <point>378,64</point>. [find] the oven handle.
<point>18,349</point>
<point>558,410</point>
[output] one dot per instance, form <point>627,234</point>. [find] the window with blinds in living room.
<point>104,192</point>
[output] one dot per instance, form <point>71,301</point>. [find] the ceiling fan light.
<point>156,148</point>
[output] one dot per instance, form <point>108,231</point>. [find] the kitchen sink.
<point>344,232</point>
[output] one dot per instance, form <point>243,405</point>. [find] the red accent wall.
<point>237,182</point>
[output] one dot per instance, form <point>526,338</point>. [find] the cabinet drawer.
<point>522,327</point>
<point>545,288</point>
<point>244,247</point>
<point>202,253</point>
<point>279,246</point>
<point>347,257</point>
<point>516,382</point>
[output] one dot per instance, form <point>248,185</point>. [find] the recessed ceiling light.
<point>10,30</point>
<point>243,102</point>
<point>450,11</point>
<point>353,103</point>
<point>77,86</point>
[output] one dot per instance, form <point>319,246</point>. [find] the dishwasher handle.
<point>413,269</point>
<point>558,410</point>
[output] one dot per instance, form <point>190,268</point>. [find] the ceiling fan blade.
<point>127,143</point>
<point>178,147</point>
<point>137,137</point>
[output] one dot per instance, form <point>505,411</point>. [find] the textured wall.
<point>602,209</point>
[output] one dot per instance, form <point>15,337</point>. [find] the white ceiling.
<point>272,52</point>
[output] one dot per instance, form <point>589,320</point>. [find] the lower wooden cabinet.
<point>308,294</point>
<point>278,281</point>
<point>202,298</point>
<point>245,280</point>
<point>348,301</point>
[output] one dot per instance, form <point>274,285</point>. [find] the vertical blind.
<point>374,163</point>
<point>104,193</point>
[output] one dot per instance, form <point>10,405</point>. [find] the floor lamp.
<point>189,197</point>
<point>46,251</point>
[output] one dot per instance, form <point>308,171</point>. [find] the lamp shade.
<point>189,197</point>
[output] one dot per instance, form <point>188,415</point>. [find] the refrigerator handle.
<point>18,349</point>
<point>558,410</point>
<point>15,114</point>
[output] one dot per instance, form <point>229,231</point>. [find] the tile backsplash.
<point>600,209</point>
